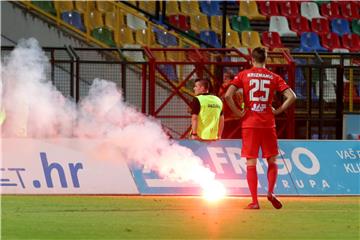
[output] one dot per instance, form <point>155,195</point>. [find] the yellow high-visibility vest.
<point>209,117</point>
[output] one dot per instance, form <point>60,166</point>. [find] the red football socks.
<point>252,180</point>
<point>272,175</point>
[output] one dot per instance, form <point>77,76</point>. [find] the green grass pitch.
<point>120,217</point>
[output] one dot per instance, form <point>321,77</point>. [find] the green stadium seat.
<point>240,23</point>
<point>47,6</point>
<point>104,35</point>
<point>356,26</point>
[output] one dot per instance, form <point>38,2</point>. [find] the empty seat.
<point>280,24</point>
<point>64,6</point>
<point>145,37</point>
<point>268,8</point>
<point>136,56</point>
<point>289,9</point>
<point>210,8</point>
<point>320,25</point>
<point>172,8</point>
<point>355,24</point>
<point>250,9</point>
<point>85,6</point>
<point>105,6</point>
<point>299,25</point>
<point>199,23</point>
<point>330,10</point>
<point>309,41</point>
<point>211,38</point>
<point>104,35</point>
<point>351,42</point>
<point>94,20</point>
<point>124,36</point>
<point>340,26</point>
<point>134,22</point>
<point>165,39</point>
<point>330,41</point>
<point>310,10</point>
<point>148,6</point>
<point>175,56</point>
<point>251,39</point>
<point>114,21</point>
<point>216,24</point>
<point>74,19</point>
<point>271,40</point>
<point>179,21</point>
<point>47,6</point>
<point>350,10</point>
<point>232,39</point>
<point>189,7</point>
<point>240,23</point>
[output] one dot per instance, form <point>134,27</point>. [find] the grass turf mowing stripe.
<point>97,217</point>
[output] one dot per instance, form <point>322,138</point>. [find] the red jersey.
<point>259,86</point>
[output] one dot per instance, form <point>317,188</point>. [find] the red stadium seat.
<point>351,42</point>
<point>289,9</point>
<point>320,25</point>
<point>349,10</point>
<point>268,8</point>
<point>330,41</point>
<point>330,10</point>
<point>299,25</point>
<point>271,40</point>
<point>179,21</point>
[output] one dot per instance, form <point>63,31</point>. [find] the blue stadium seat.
<point>74,19</point>
<point>211,38</point>
<point>165,38</point>
<point>340,26</point>
<point>210,8</point>
<point>309,41</point>
<point>169,70</point>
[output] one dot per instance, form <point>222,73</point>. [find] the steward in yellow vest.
<point>207,118</point>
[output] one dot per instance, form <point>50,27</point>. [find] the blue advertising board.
<point>305,168</point>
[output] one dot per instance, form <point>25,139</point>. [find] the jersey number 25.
<point>259,85</point>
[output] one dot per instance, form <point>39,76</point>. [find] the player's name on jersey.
<point>261,75</point>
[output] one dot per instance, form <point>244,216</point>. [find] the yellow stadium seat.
<point>216,24</point>
<point>172,8</point>
<point>81,6</point>
<point>250,10</point>
<point>64,6</point>
<point>159,55</point>
<point>232,39</point>
<point>190,7</point>
<point>176,56</point>
<point>114,20</point>
<point>251,39</point>
<point>148,6</point>
<point>94,20</point>
<point>199,23</point>
<point>124,36</point>
<point>105,6</point>
<point>145,37</point>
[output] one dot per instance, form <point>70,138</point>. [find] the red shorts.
<point>254,138</point>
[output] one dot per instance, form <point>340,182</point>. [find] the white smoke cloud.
<point>36,109</point>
